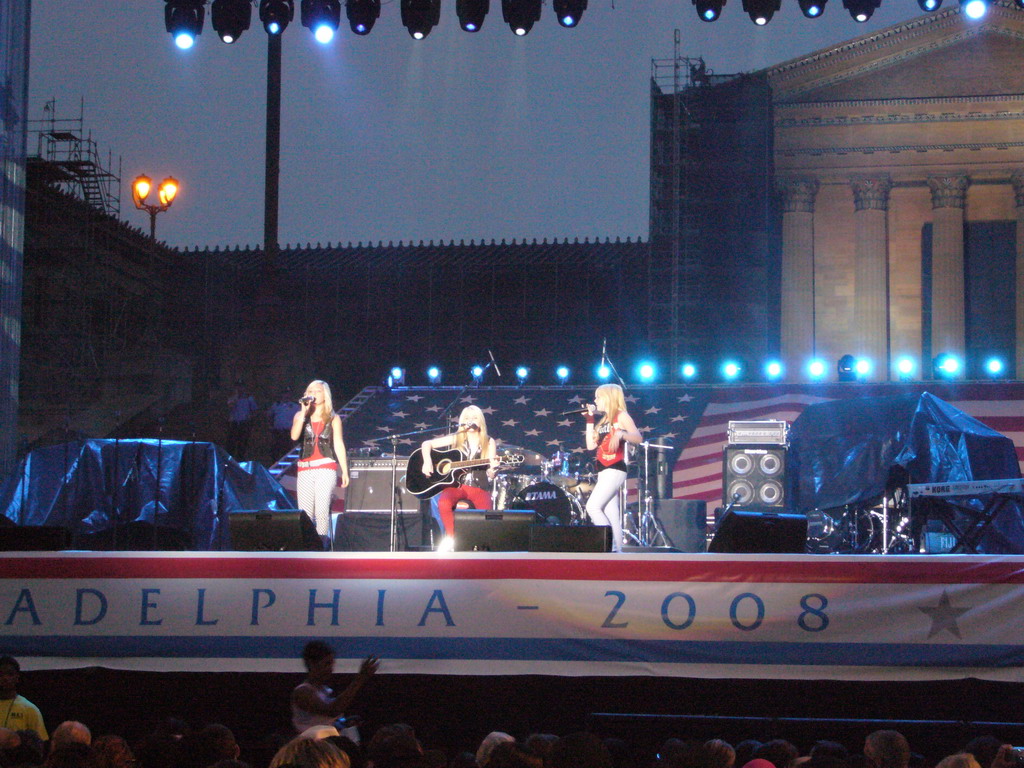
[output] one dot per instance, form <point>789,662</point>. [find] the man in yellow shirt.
<point>16,712</point>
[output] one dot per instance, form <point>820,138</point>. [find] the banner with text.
<point>768,616</point>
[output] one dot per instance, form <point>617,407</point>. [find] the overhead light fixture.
<point>522,374</point>
<point>773,370</point>
<point>420,16</point>
<point>230,18</point>
<point>929,5</point>
<point>731,370</point>
<point>184,20</point>
<point>562,372</point>
<point>761,11</point>
<point>689,371</point>
<point>646,371</point>
<point>472,13</point>
<point>905,366</point>
<point>947,366</point>
<point>396,376</point>
<point>812,9</point>
<point>817,369</point>
<point>974,9</point>
<point>995,367</point>
<point>321,17</point>
<point>362,14</point>
<point>861,10</point>
<point>434,374</point>
<point>708,10</point>
<point>845,368</point>
<point>520,15</point>
<point>569,12</point>
<point>276,15</point>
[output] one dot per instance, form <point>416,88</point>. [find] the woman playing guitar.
<point>608,437</point>
<point>472,439</point>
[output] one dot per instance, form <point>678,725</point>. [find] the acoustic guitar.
<point>450,467</point>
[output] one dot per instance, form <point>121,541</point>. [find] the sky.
<point>456,137</point>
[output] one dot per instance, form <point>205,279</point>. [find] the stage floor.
<point>907,617</point>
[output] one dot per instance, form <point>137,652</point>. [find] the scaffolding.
<point>673,278</point>
<point>71,161</point>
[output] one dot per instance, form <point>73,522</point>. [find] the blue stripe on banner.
<point>526,649</point>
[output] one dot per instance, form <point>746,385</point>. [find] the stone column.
<point>1017,179</point>
<point>949,194</point>
<point>871,272</point>
<point>797,328</point>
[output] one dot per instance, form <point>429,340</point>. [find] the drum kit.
<point>556,486</point>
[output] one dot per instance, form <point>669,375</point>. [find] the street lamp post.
<point>166,193</point>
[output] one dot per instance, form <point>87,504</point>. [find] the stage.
<point>657,615</point>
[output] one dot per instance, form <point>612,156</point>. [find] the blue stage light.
<point>323,34</point>
<point>646,371</point>
<point>773,369</point>
<point>689,371</point>
<point>477,371</point>
<point>398,374</point>
<point>731,369</point>
<point>947,366</point>
<point>562,372</point>
<point>434,374</point>
<point>604,372</point>
<point>862,367</point>
<point>994,366</point>
<point>905,367</point>
<point>974,9</point>
<point>522,373</point>
<point>273,28</point>
<point>184,40</point>
<point>816,369</point>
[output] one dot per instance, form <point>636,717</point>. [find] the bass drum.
<point>551,503</point>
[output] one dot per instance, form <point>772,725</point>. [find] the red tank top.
<point>604,456</point>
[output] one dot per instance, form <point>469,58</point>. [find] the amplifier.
<point>370,490</point>
<point>758,433</point>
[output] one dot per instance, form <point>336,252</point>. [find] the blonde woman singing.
<point>472,439</point>
<point>614,428</point>
<point>323,452</point>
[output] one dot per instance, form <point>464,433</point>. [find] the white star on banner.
<point>405,441</point>
<point>632,399</point>
<point>645,430</point>
<point>678,418</point>
<point>554,442</point>
<point>434,408</point>
<point>575,399</point>
<point>468,399</point>
<point>944,617</point>
<point>384,429</point>
<point>400,414</point>
<point>652,409</point>
<point>684,399</point>
<point>509,423</point>
<point>579,450</point>
<point>669,436</point>
<point>521,400</point>
<point>565,423</point>
<point>542,412</point>
<point>414,398</point>
<point>532,432</point>
<point>488,410</point>
<point>422,425</point>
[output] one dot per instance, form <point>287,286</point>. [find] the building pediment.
<point>941,55</point>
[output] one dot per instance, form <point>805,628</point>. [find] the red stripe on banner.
<point>927,569</point>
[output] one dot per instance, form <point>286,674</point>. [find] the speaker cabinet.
<point>685,523</point>
<point>754,477</point>
<point>480,530</point>
<point>570,538</point>
<point>266,530</point>
<point>33,538</point>
<point>361,532</point>
<point>370,489</point>
<point>751,531</point>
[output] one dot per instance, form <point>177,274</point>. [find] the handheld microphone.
<point>306,400</point>
<point>494,363</point>
<point>469,428</point>
<point>581,412</point>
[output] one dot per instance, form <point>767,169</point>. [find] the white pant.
<point>603,504</point>
<point>314,489</point>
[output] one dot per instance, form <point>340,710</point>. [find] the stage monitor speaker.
<point>570,538</point>
<point>481,530</point>
<point>685,523</point>
<point>34,538</point>
<point>362,532</point>
<point>754,477</point>
<point>370,489</point>
<point>267,530</point>
<point>755,531</point>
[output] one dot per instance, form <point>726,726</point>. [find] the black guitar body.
<point>427,486</point>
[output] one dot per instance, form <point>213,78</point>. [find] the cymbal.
<point>532,458</point>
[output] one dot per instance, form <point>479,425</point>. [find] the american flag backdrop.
<point>692,419</point>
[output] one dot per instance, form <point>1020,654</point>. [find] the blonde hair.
<point>310,753</point>
<point>327,409</point>
<point>461,437</point>
<point>959,760</point>
<point>614,401</point>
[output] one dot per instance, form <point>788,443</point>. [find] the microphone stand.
<point>393,538</point>
<point>608,361</point>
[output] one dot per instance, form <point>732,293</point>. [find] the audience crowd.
<point>174,744</point>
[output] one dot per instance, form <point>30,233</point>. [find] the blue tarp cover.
<point>89,486</point>
<point>846,452</point>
